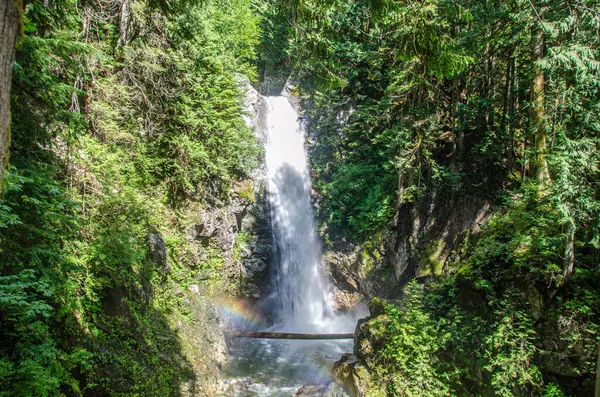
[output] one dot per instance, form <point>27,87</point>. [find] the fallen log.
<point>287,335</point>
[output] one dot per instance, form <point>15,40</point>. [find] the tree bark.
<point>538,112</point>
<point>460,133</point>
<point>399,196</point>
<point>504,119</point>
<point>10,22</point>
<point>491,91</point>
<point>597,394</point>
<point>511,115</point>
<point>124,24</point>
<point>569,261</point>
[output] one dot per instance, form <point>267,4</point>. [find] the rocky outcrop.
<point>359,272</point>
<point>352,371</point>
<point>273,78</point>
<point>256,247</point>
<point>239,229</point>
<point>352,375</point>
<point>429,240</point>
<point>217,225</point>
<point>431,235</point>
<point>203,340</point>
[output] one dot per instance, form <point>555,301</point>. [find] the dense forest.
<point>127,122</point>
<point>498,100</point>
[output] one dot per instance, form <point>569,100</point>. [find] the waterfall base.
<point>280,368</point>
<point>288,335</point>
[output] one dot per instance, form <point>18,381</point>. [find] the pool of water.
<point>279,368</point>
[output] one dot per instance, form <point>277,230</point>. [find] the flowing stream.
<point>300,300</point>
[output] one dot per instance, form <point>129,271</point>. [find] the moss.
<point>377,307</point>
<point>241,242</point>
<point>246,190</point>
<point>432,261</point>
<point>367,261</point>
<point>371,254</point>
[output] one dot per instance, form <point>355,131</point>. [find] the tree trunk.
<point>10,22</point>
<point>538,112</point>
<point>511,115</point>
<point>482,107</point>
<point>569,260</point>
<point>124,24</point>
<point>491,91</point>
<point>287,335</point>
<point>504,119</point>
<point>460,137</point>
<point>399,197</point>
<point>597,394</point>
<point>459,134</point>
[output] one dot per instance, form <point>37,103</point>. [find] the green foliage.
<point>441,335</point>
<point>412,97</point>
<point>119,124</point>
<point>437,93</point>
<point>510,351</point>
<point>526,238</point>
<point>409,358</point>
<point>114,134</point>
<point>359,205</point>
<point>433,344</point>
<point>370,81</point>
<point>33,365</point>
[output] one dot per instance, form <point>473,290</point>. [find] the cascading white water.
<point>300,288</point>
<point>300,296</point>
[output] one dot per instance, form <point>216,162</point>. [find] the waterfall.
<point>300,295</point>
<point>301,291</point>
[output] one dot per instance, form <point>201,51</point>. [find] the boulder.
<point>353,376</point>
<point>377,307</point>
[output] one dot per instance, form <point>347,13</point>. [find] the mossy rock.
<point>377,307</point>
<point>354,377</point>
<point>432,260</point>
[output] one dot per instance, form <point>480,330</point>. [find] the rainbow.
<point>241,309</point>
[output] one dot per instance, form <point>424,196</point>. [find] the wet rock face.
<point>218,225</point>
<point>353,371</point>
<point>256,247</point>
<point>242,231</point>
<point>273,78</point>
<point>358,272</point>
<point>203,338</point>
